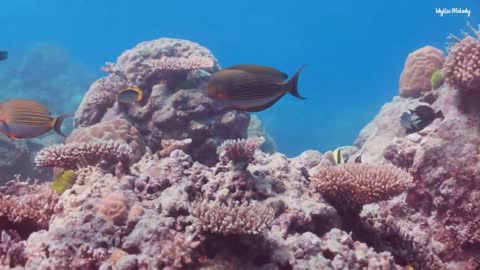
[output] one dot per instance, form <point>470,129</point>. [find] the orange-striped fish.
<point>250,87</point>
<point>25,118</point>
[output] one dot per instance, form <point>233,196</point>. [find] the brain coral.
<point>167,111</point>
<point>418,70</point>
<point>462,67</point>
<point>116,130</point>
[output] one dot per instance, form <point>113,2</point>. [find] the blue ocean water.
<point>354,50</point>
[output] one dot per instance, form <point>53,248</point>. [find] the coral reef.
<point>159,68</point>
<point>435,226</point>
<point>170,212</point>
<point>417,73</point>
<point>173,182</point>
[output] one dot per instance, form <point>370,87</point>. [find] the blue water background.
<point>355,50</point>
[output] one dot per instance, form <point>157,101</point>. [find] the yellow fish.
<point>251,88</point>
<point>25,118</point>
<point>338,156</point>
<point>63,181</point>
<point>130,95</point>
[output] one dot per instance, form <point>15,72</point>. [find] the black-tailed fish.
<point>25,118</point>
<point>251,88</point>
<point>63,181</point>
<point>419,118</point>
<point>3,55</point>
<point>130,95</point>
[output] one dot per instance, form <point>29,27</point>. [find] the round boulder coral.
<point>418,70</point>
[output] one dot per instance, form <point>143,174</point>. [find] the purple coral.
<point>235,219</point>
<point>26,207</point>
<point>240,152</point>
<point>361,184</point>
<point>79,155</point>
<point>12,250</point>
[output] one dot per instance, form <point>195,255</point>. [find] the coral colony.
<point>174,182</point>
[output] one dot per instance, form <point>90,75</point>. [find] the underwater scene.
<point>240,135</point>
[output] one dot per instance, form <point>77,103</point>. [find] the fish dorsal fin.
<point>268,72</point>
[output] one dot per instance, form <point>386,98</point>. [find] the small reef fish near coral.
<point>130,95</point>
<point>419,118</point>
<point>251,88</point>
<point>24,118</point>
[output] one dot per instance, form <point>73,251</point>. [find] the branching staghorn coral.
<point>240,152</point>
<point>26,207</point>
<point>79,155</point>
<point>358,184</point>
<point>236,219</point>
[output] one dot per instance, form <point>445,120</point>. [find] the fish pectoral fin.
<point>11,136</point>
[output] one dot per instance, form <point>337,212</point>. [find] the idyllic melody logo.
<point>448,11</point>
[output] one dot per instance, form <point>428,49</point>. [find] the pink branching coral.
<point>236,219</point>
<point>359,184</point>
<point>12,250</point>
<point>462,67</point>
<point>169,145</point>
<point>240,152</point>
<point>167,64</point>
<point>26,207</point>
<point>78,155</point>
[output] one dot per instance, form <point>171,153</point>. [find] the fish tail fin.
<point>56,123</point>
<point>291,85</point>
<point>3,55</point>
